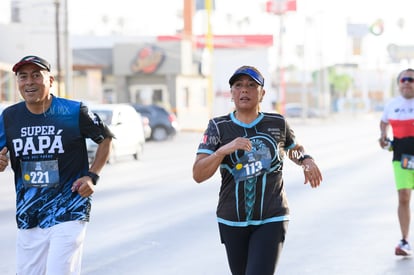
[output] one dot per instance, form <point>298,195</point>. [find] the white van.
<point>127,126</point>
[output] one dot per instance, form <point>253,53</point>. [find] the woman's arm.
<point>206,165</point>
<point>310,170</point>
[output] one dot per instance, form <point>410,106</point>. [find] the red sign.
<point>280,6</point>
<point>148,60</point>
<point>228,41</point>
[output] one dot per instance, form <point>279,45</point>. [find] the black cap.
<point>250,71</point>
<point>42,63</point>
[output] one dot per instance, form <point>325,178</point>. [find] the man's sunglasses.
<point>409,79</point>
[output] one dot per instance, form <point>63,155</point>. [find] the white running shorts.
<point>50,251</point>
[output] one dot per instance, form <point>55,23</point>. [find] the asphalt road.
<point>149,217</point>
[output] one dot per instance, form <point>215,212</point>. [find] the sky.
<point>137,16</point>
<point>100,16</point>
<point>160,15</point>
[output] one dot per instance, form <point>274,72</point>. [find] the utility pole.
<point>68,53</point>
<point>57,33</point>
<point>281,71</point>
<point>210,48</point>
<point>279,8</point>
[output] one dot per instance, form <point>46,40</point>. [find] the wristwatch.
<point>94,177</point>
<point>301,159</point>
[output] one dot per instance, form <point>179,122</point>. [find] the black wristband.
<point>301,159</point>
<point>94,177</point>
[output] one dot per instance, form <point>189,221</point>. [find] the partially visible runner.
<point>249,146</point>
<point>399,113</point>
<point>45,136</point>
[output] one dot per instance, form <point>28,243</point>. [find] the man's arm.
<point>4,160</point>
<point>383,134</point>
<point>85,185</point>
<point>101,155</point>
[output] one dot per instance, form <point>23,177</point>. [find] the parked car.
<point>163,123</point>
<point>296,110</point>
<point>127,126</point>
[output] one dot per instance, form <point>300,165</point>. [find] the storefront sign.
<point>148,60</point>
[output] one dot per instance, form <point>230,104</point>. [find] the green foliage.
<point>339,82</point>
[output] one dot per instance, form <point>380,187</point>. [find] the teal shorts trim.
<point>254,222</point>
<point>404,178</point>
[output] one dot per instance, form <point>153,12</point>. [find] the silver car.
<point>126,124</point>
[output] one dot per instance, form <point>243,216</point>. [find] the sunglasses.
<point>409,79</point>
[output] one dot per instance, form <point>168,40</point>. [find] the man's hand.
<point>83,186</point>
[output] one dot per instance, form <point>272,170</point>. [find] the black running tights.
<point>253,250</point>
